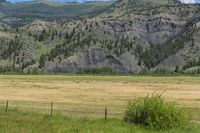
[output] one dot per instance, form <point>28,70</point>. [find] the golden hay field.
<point>89,95</point>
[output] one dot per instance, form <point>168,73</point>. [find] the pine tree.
<point>198,71</point>
<point>177,69</point>
<point>42,60</point>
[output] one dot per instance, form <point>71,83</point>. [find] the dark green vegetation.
<point>128,36</point>
<point>156,113</point>
<point>23,13</point>
<point>157,53</point>
<point>15,121</point>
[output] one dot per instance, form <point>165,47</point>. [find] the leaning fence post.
<point>106,113</point>
<point>51,108</point>
<point>6,109</point>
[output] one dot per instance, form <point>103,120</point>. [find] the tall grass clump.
<point>156,113</point>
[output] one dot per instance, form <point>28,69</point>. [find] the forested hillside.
<point>129,36</point>
<point>19,14</point>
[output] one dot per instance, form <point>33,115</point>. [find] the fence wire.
<point>87,111</point>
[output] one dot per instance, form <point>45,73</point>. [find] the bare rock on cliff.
<point>87,59</point>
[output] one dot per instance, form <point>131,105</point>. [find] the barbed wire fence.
<point>53,108</point>
<point>91,111</point>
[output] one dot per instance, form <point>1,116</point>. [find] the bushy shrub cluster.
<point>10,69</point>
<point>156,113</point>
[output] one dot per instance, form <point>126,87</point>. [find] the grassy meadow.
<point>80,101</point>
<point>87,96</point>
<point>19,122</point>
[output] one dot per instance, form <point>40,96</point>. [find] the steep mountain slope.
<point>22,13</point>
<point>161,31</point>
<point>188,56</point>
<point>149,36</point>
<point>130,36</point>
<point>126,6</point>
<point>91,58</point>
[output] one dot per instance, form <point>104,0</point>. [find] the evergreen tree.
<point>42,60</point>
<point>177,69</point>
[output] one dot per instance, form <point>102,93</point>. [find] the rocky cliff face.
<point>157,25</point>
<point>191,51</point>
<point>91,58</point>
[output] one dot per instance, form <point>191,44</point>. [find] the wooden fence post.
<point>51,108</point>
<point>106,113</point>
<point>6,109</point>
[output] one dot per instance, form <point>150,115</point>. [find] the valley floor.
<point>87,96</point>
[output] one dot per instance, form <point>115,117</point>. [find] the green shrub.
<point>156,113</point>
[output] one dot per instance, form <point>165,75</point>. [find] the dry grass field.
<point>88,95</point>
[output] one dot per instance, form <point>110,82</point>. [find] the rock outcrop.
<point>87,59</point>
